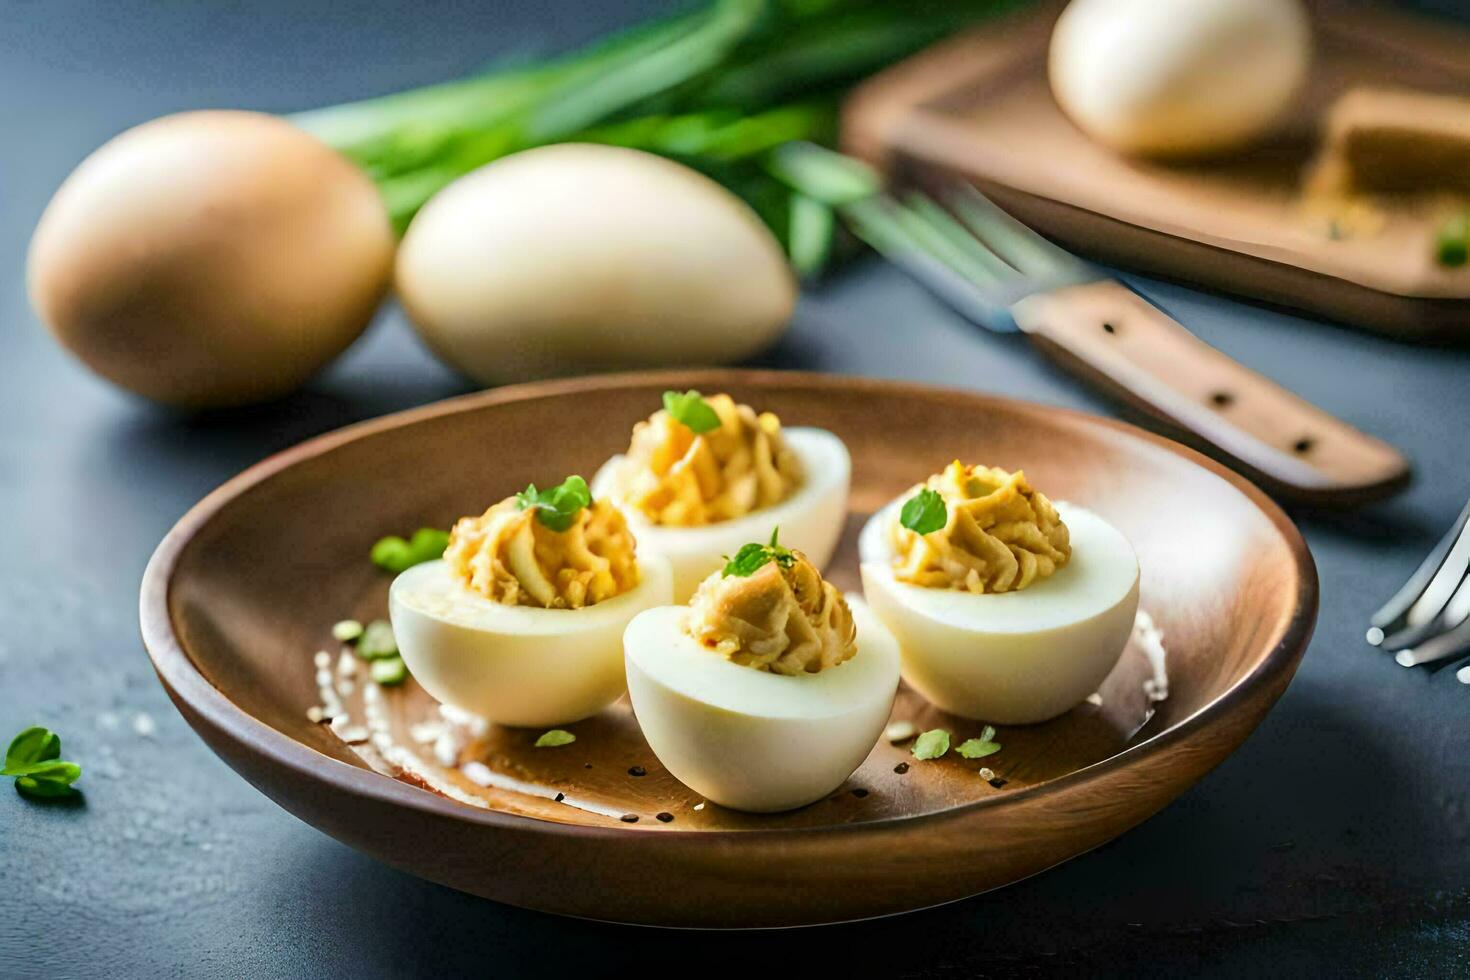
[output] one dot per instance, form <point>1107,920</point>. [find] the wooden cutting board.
<point>979,106</point>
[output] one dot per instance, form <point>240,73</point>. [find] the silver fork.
<point>1003,276</point>
<point>1428,619</point>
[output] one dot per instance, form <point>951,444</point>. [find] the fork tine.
<point>1430,588</point>
<point>1020,246</point>
<point>932,240</point>
<point>1443,646</point>
<point>959,236</point>
<point>872,220</point>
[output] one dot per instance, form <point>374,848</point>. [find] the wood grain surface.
<point>247,585</point>
<point>980,106</point>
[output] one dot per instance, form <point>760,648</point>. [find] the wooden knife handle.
<point>1289,446</point>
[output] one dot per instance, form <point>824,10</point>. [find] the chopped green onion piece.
<point>976,748</point>
<point>377,641</point>
<point>932,744</point>
<point>389,671</point>
<point>396,555</point>
<point>554,738</point>
<point>1452,244</point>
<point>346,631</point>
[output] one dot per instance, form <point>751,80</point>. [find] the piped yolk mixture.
<point>677,477</point>
<point>510,557</point>
<point>1000,534</point>
<point>784,618</point>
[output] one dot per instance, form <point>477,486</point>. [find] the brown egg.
<point>210,259</point>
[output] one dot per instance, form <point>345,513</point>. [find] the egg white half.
<point>753,740</point>
<point>1011,657</point>
<point>810,519</point>
<point>517,665</point>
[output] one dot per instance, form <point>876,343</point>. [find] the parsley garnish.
<point>1452,241</point>
<point>34,759</point>
<point>692,410</point>
<point>393,554</point>
<point>932,744</point>
<point>924,512</point>
<point>555,738</point>
<point>751,557</point>
<point>979,748</point>
<point>556,507</point>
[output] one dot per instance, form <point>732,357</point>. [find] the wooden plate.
<point>245,588</point>
<point>980,106</point>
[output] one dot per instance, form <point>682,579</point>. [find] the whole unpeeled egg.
<point>574,258</point>
<point>1178,77</point>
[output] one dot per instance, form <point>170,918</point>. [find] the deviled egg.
<point>522,620</point>
<point>1008,608</point>
<point>768,689</point>
<point>703,476</point>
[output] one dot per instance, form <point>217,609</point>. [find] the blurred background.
<point>1359,865</point>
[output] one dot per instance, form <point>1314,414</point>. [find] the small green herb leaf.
<point>34,758</point>
<point>393,554</point>
<point>692,410</point>
<point>377,641</point>
<point>753,556</point>
<point>976,748</point>
<point>1452,243</point>
<point>557,507</point>
<point>554,738</point>
<point>43,787</point>
<point>29,747</point>
<point>389,671</point>
<point>924,512</point>
<point>932,744</point>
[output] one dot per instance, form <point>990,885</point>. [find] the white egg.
<point>573,258</point>
<point>517,665</point>
<point>1178,77</point>
<point>1011,657</point>
<point>753,740</point>
<point>810,519</point>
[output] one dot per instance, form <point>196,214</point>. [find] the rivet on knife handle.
<point>1135,348</point>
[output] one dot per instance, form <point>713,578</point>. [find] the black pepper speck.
<point>664,817</point>
<point>901,768</point>
<point>630,818</point>
<point>560,797</point>
<point>998,782</point>
<point>860,792</point>
<point>637,771</point>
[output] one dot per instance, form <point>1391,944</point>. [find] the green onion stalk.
<point>718,88</point>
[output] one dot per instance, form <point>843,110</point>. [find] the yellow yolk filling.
<point>509,556</point>
<point>1000,534</point>
<point>677,477</point>
<point>787,620</point>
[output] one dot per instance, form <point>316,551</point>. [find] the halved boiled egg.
<point>1011,657</point>
<point>696,485</point>
<point>522,621</point>
<point>759,702</point>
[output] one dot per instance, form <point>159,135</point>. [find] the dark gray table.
<point>1335,841</point>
